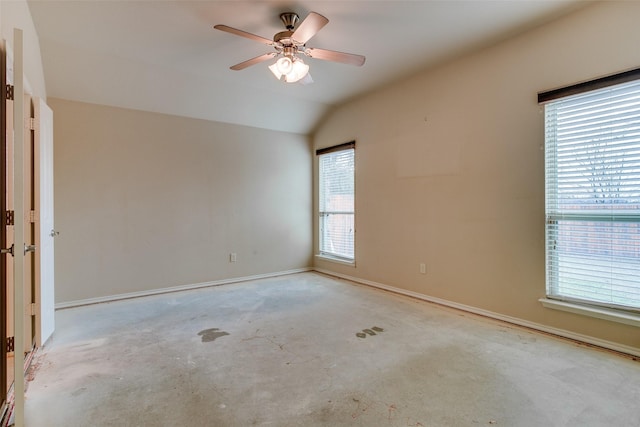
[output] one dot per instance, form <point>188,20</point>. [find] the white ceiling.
<point>165,56</point>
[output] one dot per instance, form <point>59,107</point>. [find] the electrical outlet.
<point>233,257</point>
<point>423,268</point>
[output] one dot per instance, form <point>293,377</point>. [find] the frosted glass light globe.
<point>285,65</point>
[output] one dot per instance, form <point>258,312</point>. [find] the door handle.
<point>7,250</point>
<point>29,248</point>
<point>54,233</point>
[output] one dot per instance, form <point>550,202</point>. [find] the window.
<point>336,166</point>
<point>592,180</point>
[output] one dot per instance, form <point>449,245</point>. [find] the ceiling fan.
<point>290,44</point>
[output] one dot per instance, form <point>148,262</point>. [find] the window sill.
<point>600,313</point>
<point>337,260</point>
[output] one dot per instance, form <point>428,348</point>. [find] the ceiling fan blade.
<point>241,33</point>
<point>253,61</point>
<point>332,55</point>
<point>309,27</point>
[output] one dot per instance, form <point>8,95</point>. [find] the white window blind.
<point>336,202</point>
<point>592,177</point>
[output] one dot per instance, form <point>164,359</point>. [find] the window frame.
<point>322,214</point>
<point>624,314</point>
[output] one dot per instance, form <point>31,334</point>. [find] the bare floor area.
<point>310,350</point>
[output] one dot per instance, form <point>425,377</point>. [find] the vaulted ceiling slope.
<point>165,56</point>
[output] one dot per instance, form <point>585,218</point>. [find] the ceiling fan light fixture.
<point>274,69</point>
<point>298,71</point>
<point>284,65</point>
<point>289,69</point>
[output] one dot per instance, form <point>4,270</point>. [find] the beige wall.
<point>16,14</point>
<point>146,201</point>
<point>449,169</point>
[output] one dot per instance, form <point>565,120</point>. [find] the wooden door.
<point>6,371</point>
<point>9,235</point>
<point>20,225</point>
<point>26,226</point>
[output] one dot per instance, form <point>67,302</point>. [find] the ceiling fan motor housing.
<point>289,51</point>
<point>284,38</point>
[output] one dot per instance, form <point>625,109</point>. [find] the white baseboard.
<point>513,320</point>
<point>109,298</point>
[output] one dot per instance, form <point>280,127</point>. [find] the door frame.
<point>3,231</point>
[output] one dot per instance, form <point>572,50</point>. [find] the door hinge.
<point>31,309</point>
<point>10,345</point>
<point>9,217</point>
<point>30,123</point>
<point>32,216</point>
<point>9,92</point>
